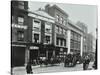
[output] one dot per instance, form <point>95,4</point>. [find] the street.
<point>49,69</point>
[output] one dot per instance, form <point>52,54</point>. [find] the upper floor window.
<point>64,22</point>
<point>36,25</point>
<point>20,35</point>
<point>57,41</point>
<point>36,38</point>
<point>72,35</point>
<point>61,20</point>
<point>60,30</point>
<point>48,27</point>
<point>79,38</point>
<point>47,39</point>
<point>57,17</point>
<point>20,20</point>
<point>21,4</point>
<point>64,32</point>
<point>57,29</point>
<point>61,42</point>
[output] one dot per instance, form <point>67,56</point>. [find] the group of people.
<point>86,62</point>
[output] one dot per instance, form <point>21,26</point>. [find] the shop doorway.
<point>17,56</point>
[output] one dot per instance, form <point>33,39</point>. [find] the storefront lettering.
<point>34,47</point>
<point>19,26</point>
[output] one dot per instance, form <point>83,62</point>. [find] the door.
<point>17,56</point>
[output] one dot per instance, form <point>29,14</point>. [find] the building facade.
<point>43,33</point>
<point>19,27</point>
<point>60,30</point>
<point>40,33</point>
<point>68,37</point>
<point>85,37</point>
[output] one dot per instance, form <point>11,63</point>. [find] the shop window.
<point>20,20</point>
<point>36,38</point>
<point>20,35</point>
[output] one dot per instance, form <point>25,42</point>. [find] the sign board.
<point>19,26</point>
<point>34,47</point>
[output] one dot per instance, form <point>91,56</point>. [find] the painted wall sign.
<point>19,26</point>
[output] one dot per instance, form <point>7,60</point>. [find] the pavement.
<point>55,68</point>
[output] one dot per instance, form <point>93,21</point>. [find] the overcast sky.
<point>84,13</point>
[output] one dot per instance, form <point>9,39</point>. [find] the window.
<point>57,18</point>
<point>61,20</point>
<point>36,38</point>
<point>64,32</point>
<point>21,4</point>
<point>20,35</point>
<point>72,35</point>
<point>61,42</point>
<point>57,41</point>
<point>79,38</point>
<point>57,29</point>
<point>36,25</point>
<point>64,22</point>
<point>48,27</point>
<point>60,30</point>
<point>72,44</point>
<point>64,42</point>
<point>20,20</point>
<point>47,39</point>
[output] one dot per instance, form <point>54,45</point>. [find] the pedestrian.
<point>86,63</point>
<point>29,68</point>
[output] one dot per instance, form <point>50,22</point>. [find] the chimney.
<point>47,8</point>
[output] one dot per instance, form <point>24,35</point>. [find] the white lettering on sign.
<point>34,47</point>
<point>19,26</point>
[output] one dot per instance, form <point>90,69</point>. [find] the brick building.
<point>40,33</point>
<point>67,35</point>
<point>19,27</point>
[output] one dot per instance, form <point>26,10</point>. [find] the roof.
<point>73,24</point>
<point>42,13</point>
<point>60,9</point>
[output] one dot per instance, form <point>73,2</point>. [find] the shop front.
<point>61,52</point>
<point>50,51</point>
<point>18,54</point>
<point>34,51</point>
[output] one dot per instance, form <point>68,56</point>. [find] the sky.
<point>84,13</point>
